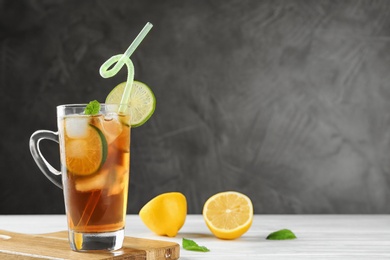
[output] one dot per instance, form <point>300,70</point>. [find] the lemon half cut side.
<point>228,214</point>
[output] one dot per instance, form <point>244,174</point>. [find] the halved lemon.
<point>142,101</point>
<point>228,214</point>
<point>85,155</point>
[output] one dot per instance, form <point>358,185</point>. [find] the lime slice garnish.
<point>142,101</point>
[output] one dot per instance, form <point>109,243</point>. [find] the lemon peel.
<point>165,214</point>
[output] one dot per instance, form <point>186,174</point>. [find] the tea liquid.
<point>95,160</point>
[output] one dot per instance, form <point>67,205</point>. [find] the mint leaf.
<point>282,234</point>
<point>92,108</point>
<point>191,245</point>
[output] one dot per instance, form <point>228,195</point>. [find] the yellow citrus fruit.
<point>165,214</point>
<point>228,214</point>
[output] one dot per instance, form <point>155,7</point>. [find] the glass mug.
<point>95,168</point>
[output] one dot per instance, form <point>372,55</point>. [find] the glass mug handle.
<point>49,171</point>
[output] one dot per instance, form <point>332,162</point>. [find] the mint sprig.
<point>92,108</point>
<point>191,245</point>
<point>282,234</point>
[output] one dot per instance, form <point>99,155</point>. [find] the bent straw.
<point>122,59</point>
<point>105,72</point>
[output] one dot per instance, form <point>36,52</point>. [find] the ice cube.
<point>110,116</point>
<point>111,128</point>
<point>117,180</point>
<point>76,127</point>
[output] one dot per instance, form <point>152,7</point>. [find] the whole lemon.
<point>165,214</point>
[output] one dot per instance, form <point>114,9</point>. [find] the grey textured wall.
<point>285,101</point>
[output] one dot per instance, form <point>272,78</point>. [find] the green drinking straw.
<point>120,60</point>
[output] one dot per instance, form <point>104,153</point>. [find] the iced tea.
<point>95,159</point>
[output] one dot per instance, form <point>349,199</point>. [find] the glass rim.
<point>77,105</point>
<point>78,109</point>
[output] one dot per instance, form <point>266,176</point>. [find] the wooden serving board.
<point>56,246</point>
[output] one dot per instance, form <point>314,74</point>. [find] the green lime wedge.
<point>142,101</point>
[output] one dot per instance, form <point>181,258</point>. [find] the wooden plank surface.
<point>56,246</point>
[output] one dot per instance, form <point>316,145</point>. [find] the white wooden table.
<point>319,236</point>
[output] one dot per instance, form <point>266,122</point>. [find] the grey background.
<point>285,101</point>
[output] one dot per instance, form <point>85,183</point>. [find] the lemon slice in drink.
<point>142,101</point>
<point>85,155</point>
